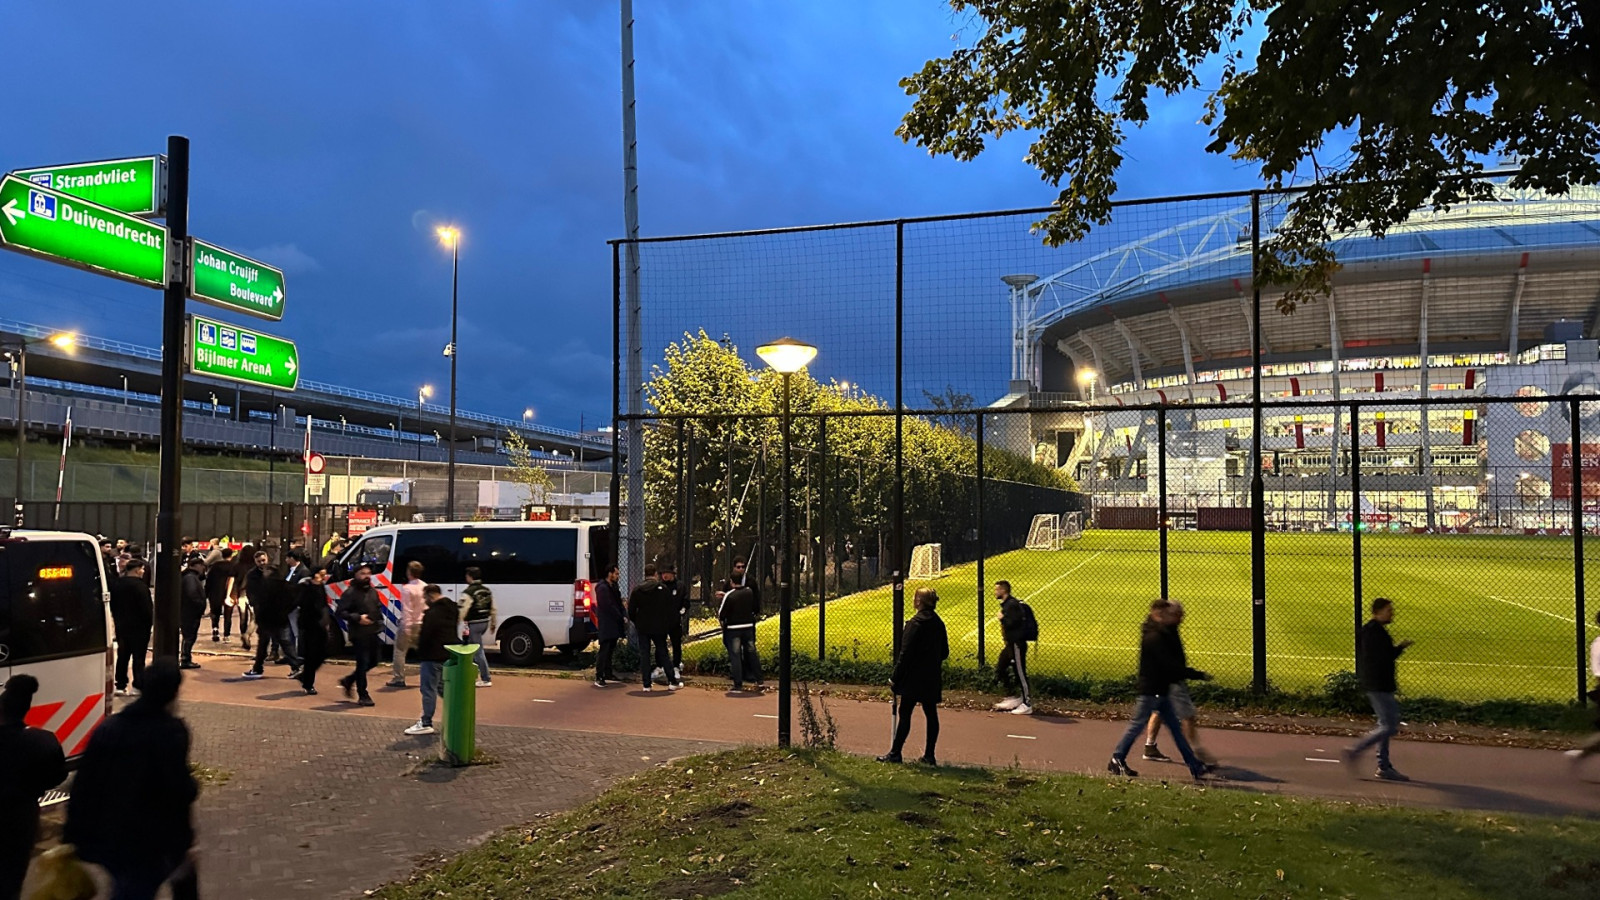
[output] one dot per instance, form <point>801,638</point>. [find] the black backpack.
<point>1030,624</point>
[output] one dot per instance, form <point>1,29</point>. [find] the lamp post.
<point>450,236</point>
<point>16,350</point>
<point>1089,377</point>
<point>423,393</point>
<point>786,356</point>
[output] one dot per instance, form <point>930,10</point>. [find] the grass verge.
<point>760,823</point>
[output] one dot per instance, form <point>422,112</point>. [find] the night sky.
<point>330,139</point>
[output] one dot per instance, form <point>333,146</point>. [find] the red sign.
<point>539,514</point>
<point>1561,470</point>
<point>316,464</point>
<point>361,520</point>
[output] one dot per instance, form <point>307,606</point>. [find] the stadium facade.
<point>1488,299</point>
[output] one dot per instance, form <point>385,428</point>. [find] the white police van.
<point>542,575</point>
<point>55,624</point>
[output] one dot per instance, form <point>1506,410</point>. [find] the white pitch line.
<point>973,634</point>
<point>1532,609</point>
<point>1022,737</point>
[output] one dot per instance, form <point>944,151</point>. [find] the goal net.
<point>1045,532</point>
<point>927,561</point>
<point>1072,526</point>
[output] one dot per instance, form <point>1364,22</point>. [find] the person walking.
<point>654,611</point>
<point>273,601</point>
<point>1017,626</point>
<point>636,604</point>
<point>244,563</point>
<point>131,809</point>
<point>194,606</point>
<point>33,763</point>
<point>1591,746</point>
<point>312,603</point>
<point>412,607</point>
<point>480,618</point>
<point>219,583</point>
<point>738,616</point>
<point>678,600</point>
<point>361,610</point>
<point>1159,669</point>
<point>438,629</point>
<point>1376,656</point>
<point>1182,705</point>
<point>132,616</point>
<point>611,621</point>
<point>299,570</point>
<point>918,678</point>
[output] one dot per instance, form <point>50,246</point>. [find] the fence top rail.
<point>1293,404</point>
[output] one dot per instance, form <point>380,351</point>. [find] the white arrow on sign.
<point>13,212</point>
<point>277,294</point>
<point>289,366</point>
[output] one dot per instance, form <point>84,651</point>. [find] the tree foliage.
<point>525,471</point>
<point>1387,106</point>
<point>714,468</point>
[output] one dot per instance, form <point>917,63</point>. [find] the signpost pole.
<point>168,565</point>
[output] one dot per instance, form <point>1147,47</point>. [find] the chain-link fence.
<point>1148,424</point>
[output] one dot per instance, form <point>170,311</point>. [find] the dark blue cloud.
<point>330,138</point>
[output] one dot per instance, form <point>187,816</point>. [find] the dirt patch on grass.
<point>729,814</point>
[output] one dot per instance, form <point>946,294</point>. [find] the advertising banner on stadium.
<point>1561,471</point>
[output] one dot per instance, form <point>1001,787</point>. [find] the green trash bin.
<point>460,713</point>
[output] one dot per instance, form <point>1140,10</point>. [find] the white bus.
<point>55,625</point>
<point>542,575</point>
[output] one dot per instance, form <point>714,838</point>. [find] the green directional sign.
<point>227,351</point>
<point>226,279</point>
<point>136,186</point>
<point>62,228</point>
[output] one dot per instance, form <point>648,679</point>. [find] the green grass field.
<point>1492,616</point>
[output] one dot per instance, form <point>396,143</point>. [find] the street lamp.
<point>527,415</point>
<point>16,350</point>
<point>423,394</point>
<point>450,236</point>
<point>1089,377</point>
<point>786,356</point>
<point>213,406</point>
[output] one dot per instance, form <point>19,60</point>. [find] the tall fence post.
<point>898,543</point>
<point>982,548</point>
<point>1575,458</point>
<point>1161,492</point>
<point>822,540</point>
<point>615,524</point>
<point>677,492</point>
<point>1258,487</point>
<point>1355,509</point>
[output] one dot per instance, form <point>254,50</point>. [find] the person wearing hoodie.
<point>738,616</point>
<point>611,621</point>
<point>918,678</point>
<point>362,611</point>
<point>33,763</point>
<point>1018,627</point>
<point>439,628</point>
<point>1160,667</point>
<point>312,604</point>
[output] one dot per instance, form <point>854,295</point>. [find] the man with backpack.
<point>1018,626</point>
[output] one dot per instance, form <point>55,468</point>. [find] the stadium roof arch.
<point>1483,276</point>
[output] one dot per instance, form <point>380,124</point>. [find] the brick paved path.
<point>322,805</point>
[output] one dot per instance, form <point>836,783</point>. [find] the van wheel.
<point>520,644</point>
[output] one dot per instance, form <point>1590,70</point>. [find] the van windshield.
<point>51,601</point>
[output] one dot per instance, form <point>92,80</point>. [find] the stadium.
<point>1489,299</point>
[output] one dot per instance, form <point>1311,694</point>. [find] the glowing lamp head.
<point>1087,376</point>
<point>426,391</point>
<point>65,340</point>
<point>786,355</point>
<point>448,235</point>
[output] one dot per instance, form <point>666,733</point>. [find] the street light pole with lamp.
<point>786,356</point>
<point>450,236</point>
<point>16,350</point>
<point>1089,377</point>
<point>423,393</point>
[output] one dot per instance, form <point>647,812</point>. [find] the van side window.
<point>438,549</point>
<point>522,555</point>
<point>51,604</point>
<point>372,551</point>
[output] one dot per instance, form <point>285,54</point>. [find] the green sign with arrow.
<point>226,279</point>
<point>220,350</point>
<point>136,186</point>
<point>47,223</point>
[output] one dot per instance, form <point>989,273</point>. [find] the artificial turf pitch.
<point>1492,617</point>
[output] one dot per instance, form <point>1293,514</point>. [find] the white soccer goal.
<point>1072,526</point>
<point>1045,532</point>
<point>927,561</point>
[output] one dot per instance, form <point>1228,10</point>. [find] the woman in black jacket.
<point>315,621</point>
<point>919,675</point>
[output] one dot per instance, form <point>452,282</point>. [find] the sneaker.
<point>1022,710</point>
<point>293,673</point>
<point>1120,767</point>
<point>1154,754</point>
<point>675,687</point>
<point>253,675</point>
<point>1008,704</point>
<point>191,664</point>
<point>485,684</point>
<point>349,687</point>
<point>659,674</point>
<point>216,636</point>
<point>420,728</point>
<point>929,761</point>
<point>120,692</point>
<point>396,682</point>
<point>1573,755</point>
<point>890,758</point>
<point>365,700</point>
<point>648,689</point>
<point>311,692</point>
<point>599,682</point>
<point>1389,773</point>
